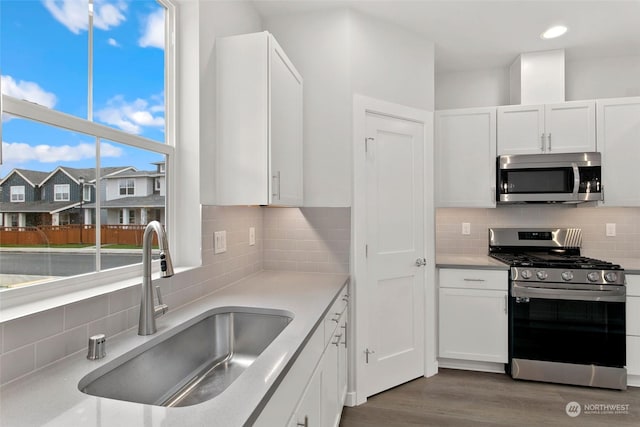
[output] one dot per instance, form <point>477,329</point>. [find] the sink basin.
<point>192,365</point>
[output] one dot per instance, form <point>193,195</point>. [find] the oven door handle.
<point>615,295</point>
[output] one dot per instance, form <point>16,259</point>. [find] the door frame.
<point>362,105</point>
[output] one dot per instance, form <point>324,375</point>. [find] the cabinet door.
<point>466,158</point>
<point>570,127</point>
<point>520,129</point>
<point>308,412</point>
<point>342,364</point>
<point>618,126</point>
<point>330,404</point>
<point>473,325</point>
<point>286,129</point>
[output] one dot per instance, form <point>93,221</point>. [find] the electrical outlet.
<point>219,242</point>
<point>611,229</point>
<point>252,236</point>
<point>466,228</point>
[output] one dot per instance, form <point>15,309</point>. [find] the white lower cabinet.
<point>472,321</point>
<point>633,330</point>
<point>314,390</point>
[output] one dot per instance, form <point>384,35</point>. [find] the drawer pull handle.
<point>474,280</point>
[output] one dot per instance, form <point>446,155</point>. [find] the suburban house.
<point>133,196</point>
<point>67,195</point>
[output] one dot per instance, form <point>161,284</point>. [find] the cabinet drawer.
<point>633,355</point>
<point>633,316</point>
<point>474,279</point>
<point>633,285</point>
<point>333,316</point>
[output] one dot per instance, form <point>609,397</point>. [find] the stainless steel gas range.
<point>566,311</point>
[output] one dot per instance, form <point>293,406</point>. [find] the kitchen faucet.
<point>148,310</point>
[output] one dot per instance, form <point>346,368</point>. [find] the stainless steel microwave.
<point>551,178</point>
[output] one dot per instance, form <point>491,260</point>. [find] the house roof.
<point>152,201</point>
<point>134,174</point>
<point>89,174</point>
<point>35,207</point>
<point>32,177</point>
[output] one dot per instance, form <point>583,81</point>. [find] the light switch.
<point>252,236</point>
<point>466,228</point>
<point>219,242</point>
<point>611,229</point>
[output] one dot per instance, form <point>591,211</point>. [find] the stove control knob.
<point>610,276</point>
<point>567,275</point>
<point>526,274</point>
<point>593,276</point>
<point>541,274</point>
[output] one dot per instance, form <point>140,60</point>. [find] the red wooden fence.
<point>72,234</point>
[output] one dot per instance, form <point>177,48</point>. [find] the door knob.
<point>420,262</point>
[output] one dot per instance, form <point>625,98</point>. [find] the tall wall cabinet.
<point>465,144</point>
<point>258,157</point>
<point>619,143</point>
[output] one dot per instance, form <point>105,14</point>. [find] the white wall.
<point>476,88</point>
<point>339,53</point>
<point>584,79</point>
<point>391,64</point>
<point>603,78</point>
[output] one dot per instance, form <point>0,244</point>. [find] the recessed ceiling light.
<point>554,32</point>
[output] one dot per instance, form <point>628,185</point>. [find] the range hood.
<point>537,78</point>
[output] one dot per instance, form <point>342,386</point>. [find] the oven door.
<point>584,325</point>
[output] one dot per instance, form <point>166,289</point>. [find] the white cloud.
<point>113,42</point>
<point>29,91</point>
<point>132,116</point>
<point>74,14</point>
<point>20,152</point>
<point>153,31</point>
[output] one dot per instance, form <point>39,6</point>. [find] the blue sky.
<point>43,58</point>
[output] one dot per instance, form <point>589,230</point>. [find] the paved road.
<point>61,264</point>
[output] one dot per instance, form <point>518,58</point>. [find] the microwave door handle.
<point>576,180</point>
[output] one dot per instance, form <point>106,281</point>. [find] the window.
<point>127,187</point>
<point>61,192</point>
<point>17,193</point>
<point>157,184</point>
<point>117,119</point>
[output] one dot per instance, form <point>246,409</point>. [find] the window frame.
<point>12,193</point>
<point>20,301</point>
<point>86,192</point>
<point>129,187</point>
<point>61,189</point>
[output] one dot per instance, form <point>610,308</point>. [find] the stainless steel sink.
<point>193,364</point>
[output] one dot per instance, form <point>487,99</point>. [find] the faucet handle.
<point>161,308</point>
<point>159,295</point>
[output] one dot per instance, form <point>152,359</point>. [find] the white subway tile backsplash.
<point>16,363</point>
<point>124,299</point>
<point>30,329</point>
<point>85,311</point>
<point>62,345</point>
<point>592,220</point>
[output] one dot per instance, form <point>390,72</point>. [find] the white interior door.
<point>395,240</point>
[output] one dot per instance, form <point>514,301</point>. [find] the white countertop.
<point>482,262</point>
<point>50,397</point>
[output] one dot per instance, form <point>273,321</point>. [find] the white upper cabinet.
<point>465,157</point>
<point>568,127</point>
<point>619,144</point>
<point>259,123</point>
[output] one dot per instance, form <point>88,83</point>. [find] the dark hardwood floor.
<point>465,398</point>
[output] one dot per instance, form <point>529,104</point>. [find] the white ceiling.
<point>476,34</point>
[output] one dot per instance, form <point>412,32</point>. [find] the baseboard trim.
<point>472,365</point>
<point>350,399</point>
